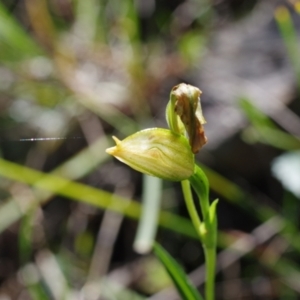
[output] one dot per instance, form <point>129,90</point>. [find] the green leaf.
<point>180,279</point>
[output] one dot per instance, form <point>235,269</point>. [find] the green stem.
<point>189,201</point>
<point>210,259</point>
<point>200,184</point>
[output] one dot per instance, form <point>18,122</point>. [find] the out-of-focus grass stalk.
<point>31,279</point>
<point>86,19</point>
<point>152,187</point>
<point>25,235</point>
<point>80,192</point>
<point>265,130</point>
<point>53,276</point>
<point>290,38</point>
<point>75,168</point>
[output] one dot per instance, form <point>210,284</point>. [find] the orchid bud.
<point>184,114</point>
<point>157,152</point>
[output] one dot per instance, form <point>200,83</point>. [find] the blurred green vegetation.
<point>82,71</point>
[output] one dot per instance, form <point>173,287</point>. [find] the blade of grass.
<point>89,195</point>
<point>180,279</point>
<point>76,167</point>
<point>30,278</point>
<point>150,210</point>
<point>25,236</point>
<point>53,276</point>
<point>266,130</point>
<point>86,19</point>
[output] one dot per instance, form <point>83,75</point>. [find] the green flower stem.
<point>210,260</point>
<point>208,233</point>
<point>189,201</point>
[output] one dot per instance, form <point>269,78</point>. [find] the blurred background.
<point>73,73</point>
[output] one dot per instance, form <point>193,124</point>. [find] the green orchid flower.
<point>169,154</point>
<point>157,152</point>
